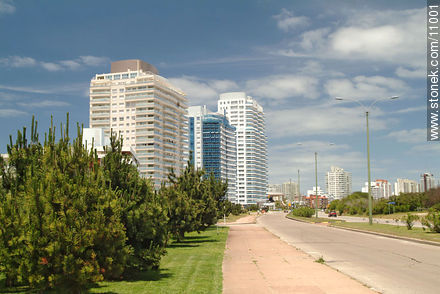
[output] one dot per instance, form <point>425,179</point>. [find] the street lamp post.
<point>316,182</point>
<point>370,200</point>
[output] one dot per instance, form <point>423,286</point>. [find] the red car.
<point>332,213</point>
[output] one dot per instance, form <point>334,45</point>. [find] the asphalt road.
<point>384,264</point>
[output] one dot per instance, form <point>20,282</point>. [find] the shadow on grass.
<point>192,241</point>
<point>131,276</point>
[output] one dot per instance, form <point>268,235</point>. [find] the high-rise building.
<point>379,189</point>
<point>338,182</point>
<point>150,114</point>
<point>195,116</point>
<point>427,182</point>
<point>274,188</point>
<point>219,151</point>
<point>290,190</point>
<point>247,116</point>
<point>405,186</point>
<point>213,145</point>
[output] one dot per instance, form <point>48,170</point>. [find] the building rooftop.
<point>132,65</point>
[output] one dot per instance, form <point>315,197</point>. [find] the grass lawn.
<point>191,266</point>
<point>393,216</point>
<point>417,233</point>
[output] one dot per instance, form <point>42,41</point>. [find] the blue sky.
<point>293,57</point>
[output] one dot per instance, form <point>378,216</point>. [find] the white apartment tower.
<point>379,189</point>
<point>147,111</point>
<point>406,186</point>
<point>338,182</point>
<point>196,115</point>
<point>247,116</point>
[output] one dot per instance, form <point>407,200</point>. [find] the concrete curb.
<point>426,242</point>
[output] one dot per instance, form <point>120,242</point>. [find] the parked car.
<point>332,213</point>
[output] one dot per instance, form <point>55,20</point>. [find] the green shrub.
<point>409,219</point>
<point>303,211</point>
<point>432,221</point>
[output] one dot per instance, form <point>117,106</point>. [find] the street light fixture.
<point>370,201</point>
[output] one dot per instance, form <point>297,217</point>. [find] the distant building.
<point>212,143</point>
<point>219,151</point>
<point>290,190</point>
<point>147,110</point>
<point>322,201</point>
<point>313,191</point>
<point>96,139</point>
<point>247,116</point>
<point>274,188</point>
<point>379,189</point>
<point>338,182</point>
<point>427,182</point>
<point>276,196</point>
<point>195,116</point>
<point>406,186</point>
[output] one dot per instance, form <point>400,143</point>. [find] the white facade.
<point>290,190</point>
<point>247,116</point>
<point>147,111</point>
<point>313,192</point>
<point>338,182</point>
<point>274,188</point>
<point>197,112</point>
<point>95,137</point>
<point>406,186</point>
<point>379,189</point>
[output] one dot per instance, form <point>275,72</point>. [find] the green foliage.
<point>433,197</point>
<point>432,221</point>
<point>409,219</point>
<point>60,222</point>
<point>194,200</point>
<point>356,203</point>
<point>143,212</point>
<point>252,207</point>
<point>303,211</point>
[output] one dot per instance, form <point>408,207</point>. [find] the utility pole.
<point>299,190</point>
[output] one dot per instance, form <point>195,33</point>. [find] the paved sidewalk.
<point>256,261</point>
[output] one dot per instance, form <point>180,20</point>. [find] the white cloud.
<point>50,66</point>
<point>427,148</point>
<point>391,36</point>
<point>287,21</point>
<point>283,86</point>
<point>365,88</point>
<point>24,89</point>
<point>312,39</point>
<point>409,136</point>
<point>11,113</point>
<point>93,60</point>
<point>82,61</point>
<point>18,61</point>
<point>7,7</point>
<point>44,103</point>
<point>75,89</point>
<point>321,120</point>
<point>71,64</point>
<point>203,92</point>
<point>411,109</point>
<point>411,73</point>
